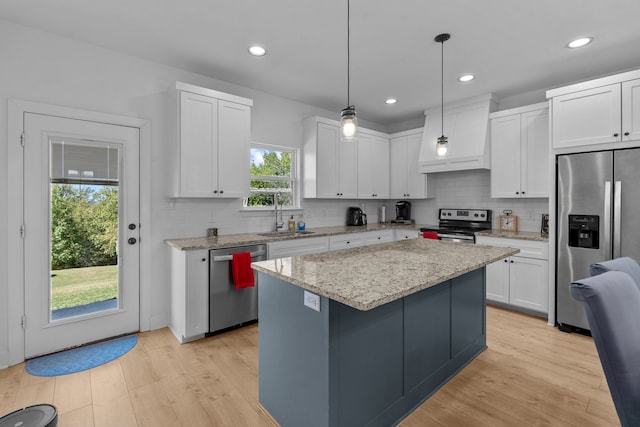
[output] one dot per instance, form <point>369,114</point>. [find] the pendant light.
<point>441,144</point>
<point>348,119</point>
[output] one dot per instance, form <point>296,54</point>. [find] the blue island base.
<point>345,367</point>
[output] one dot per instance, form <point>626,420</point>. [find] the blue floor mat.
<point>81,358</point>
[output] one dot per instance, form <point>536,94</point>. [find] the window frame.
<point>295,176</point>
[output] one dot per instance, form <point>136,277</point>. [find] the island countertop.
<point>368,277</point>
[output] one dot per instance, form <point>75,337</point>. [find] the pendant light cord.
<point>348,52</point>
<point>442,88</point>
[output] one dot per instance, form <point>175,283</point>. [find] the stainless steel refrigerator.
<point>598,218</point>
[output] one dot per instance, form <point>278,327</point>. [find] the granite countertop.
<point>368,277</point>
<point>520,235</point>
<point>230,240</point>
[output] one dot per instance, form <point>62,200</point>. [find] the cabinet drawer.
<point>297,247</point>
<point>346,241</point>
<point>528,248</point>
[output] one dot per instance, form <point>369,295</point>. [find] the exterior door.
<point>79,172</point>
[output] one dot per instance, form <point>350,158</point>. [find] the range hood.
<point>466,125</point>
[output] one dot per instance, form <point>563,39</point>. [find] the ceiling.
<point>513,47</point>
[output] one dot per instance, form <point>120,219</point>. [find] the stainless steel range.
<point>459,225</point>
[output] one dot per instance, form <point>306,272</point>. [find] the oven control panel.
<point>466,214</point>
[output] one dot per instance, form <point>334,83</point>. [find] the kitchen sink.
<point>285,233</point>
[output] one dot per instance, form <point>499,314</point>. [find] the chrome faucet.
<point>276,199</point>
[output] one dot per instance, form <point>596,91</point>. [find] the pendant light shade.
<point>442,143</point>
<point>348,118</point>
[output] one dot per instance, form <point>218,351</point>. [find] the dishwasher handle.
<point>230,257</point>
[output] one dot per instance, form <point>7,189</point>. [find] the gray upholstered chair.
<point>612,305</point>
<point>626,264</point>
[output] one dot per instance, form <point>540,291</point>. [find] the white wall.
<point>39,67</point>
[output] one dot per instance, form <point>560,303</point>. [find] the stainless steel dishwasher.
<point>229,306</point>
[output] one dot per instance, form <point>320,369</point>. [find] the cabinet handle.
<point>506,260</point>
<point>215,191</point>
<point>511,261</point>
<point>221,191</point>
<point>615,134</point>
<point>517,192</point>
<point>523,192</point>
<point>626,134</point>
<point>204,259</point>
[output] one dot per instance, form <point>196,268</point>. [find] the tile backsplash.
<point>461,189</point>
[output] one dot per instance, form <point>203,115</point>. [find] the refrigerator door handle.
<point>607,220</point>
<point>617,205</point>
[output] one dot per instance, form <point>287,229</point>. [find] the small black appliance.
<point>403,212</point>
<point>355,216</point>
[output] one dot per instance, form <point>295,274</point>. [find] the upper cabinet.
<point>601,111</point>
<point>329,166</point>
<point>520,152</point>
<point>406,180</point>
<point>209,143</point>
<point>373,165</point>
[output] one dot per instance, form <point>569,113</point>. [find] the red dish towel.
<point>430,235</point>
<point>241,270</point>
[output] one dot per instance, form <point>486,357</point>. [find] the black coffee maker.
<point>403,211</point>
<point>355,216</point>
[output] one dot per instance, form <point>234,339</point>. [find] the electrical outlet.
<point>312,300</point>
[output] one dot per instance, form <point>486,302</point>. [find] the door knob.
<point>132,240</point>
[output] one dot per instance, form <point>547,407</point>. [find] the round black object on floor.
<point>31,416</point>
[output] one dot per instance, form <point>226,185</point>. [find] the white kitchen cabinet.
<point>329,166</point>
<point>209,144</point>
<point>600,111</point>
<point>520,281</point>
<point>189,294</point>
<point>520,152</point>
<point>405,234</point>
<point>406,181</point>
<point>297,247</point>
<point>373,165</point>
<point>355,240</point>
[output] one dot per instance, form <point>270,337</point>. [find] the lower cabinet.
<point>406,234</point>
<point>355,240</point>
<point>189,294</point>
<point>297,247</point>
<point>522,280</point>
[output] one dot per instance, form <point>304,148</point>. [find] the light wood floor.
<point>531,375</point>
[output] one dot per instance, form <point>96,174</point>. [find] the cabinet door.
<point>505,156</point>
<point>373,167</point>
<point>529,283</point>
<point>234,140</point>
<point>497,278</point>
<point>198,145</point>
<point>398,167</point>
<point>197,293</point>
<point>416,181</point>
<point>347,170</point>
<point>587,117</point>
<point>328,137</point>
<point>631,110</point>
<point>534,173</point>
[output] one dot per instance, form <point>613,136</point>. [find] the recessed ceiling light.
<point>257,51</point>
<point>391,101</point>
<point>583,41</point>
<point>466,78</point>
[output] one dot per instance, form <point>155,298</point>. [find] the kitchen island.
<point>363,336</point>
